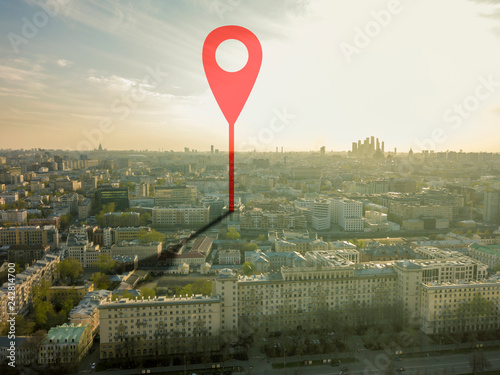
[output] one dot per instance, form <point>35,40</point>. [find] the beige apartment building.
<point>30,235</point>
<point>166,217</point>
<point>160,326</point>
<point>460,307</point>
<point>425,293</point>
<point>43,269</point>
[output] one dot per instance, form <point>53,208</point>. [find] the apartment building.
<point>43,269</point>
<point>15,216</point>
<point>30,235</point>
<point>148,253</point>
<point>321,215</point>
<point>25,254</point>
<point>181,215</point>
<point>461,306</point>
<point>258,219</point>
<point>87,312</point>
<point>350,215</point>
<point>116,235</point>
<point>172,195</point>
<point>84,209</point>
<point>159,326</point>
<point>304,298</point>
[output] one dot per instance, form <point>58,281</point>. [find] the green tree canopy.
<point>144,218</point>
<point>106,264</point>
<point>198,287</point>
<point>232,234</point>
<point>118,296</point>
<point>249,268</point>
<point>100,280</point>
<point>153,236</point>
<point>70,270</point>
<point>250,247</point>
<point>147,292</point>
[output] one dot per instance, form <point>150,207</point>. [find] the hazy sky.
<point>421,74</point>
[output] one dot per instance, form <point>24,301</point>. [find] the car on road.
<point>92,366</point>
<point>401,369</point>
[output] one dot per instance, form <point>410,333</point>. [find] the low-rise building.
<point>487,254</point>
<point>65,344</point>
<point>229,257</point>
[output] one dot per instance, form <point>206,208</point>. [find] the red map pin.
<point>231,89</point>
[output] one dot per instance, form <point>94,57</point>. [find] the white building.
<point>229,257</point>
<point>351,215</point>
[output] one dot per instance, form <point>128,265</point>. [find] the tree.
<point>497,267</point>
<point>153,236</point>
<point>249,268</point>
<point>108,265</point>
<point>250,247</point>
<point>41,291</point>
<point>32,344</point>
<point>24,326</point>
<point>478,362</point>
<point>262,237</point>
<point>232,234</point>
<point>198,287</point>
<point>100,280</point>
<point>147,292</point>
<point>108,207</point>
<point>42,311</point>
<point>144,218</point>
<point>118,296</point>
<point>70,269</point>
<point>65,220</point>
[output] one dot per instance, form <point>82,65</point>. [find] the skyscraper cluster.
<point>368,147</point>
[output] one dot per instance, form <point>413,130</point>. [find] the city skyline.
<point>129,75</point>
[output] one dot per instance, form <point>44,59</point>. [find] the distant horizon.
<point>191,151</point>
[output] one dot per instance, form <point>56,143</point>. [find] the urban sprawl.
<point>97,251</point>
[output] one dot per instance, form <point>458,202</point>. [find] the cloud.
<point>63,63</point>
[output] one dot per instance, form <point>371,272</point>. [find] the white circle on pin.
<point>231,55</point>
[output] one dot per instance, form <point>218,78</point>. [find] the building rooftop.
<point>65,333</point>
<point>198,298</point>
